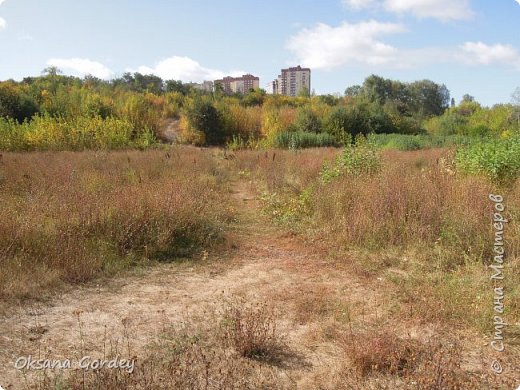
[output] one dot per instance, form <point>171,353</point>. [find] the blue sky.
<point>472,46</point>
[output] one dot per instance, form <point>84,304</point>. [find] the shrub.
<point>144,112</point>
<point>287,210</point>
<point>204,117</point>
<point>406,142</point>
<point>276,120</point>
<point>359,159</point>
<point>238,143</point>
<point>95,105</point>
<point>251,330</point>
<point>307,121</point>
<point>78,133</point>
<point>189,135</point>
<point>448,124</point>
<point>302,139</point>
<point>12,135</point>
<point>240,121</point>
<point>345,121</point>
<point>381,352</point>
<point>428,365</point>
<point>15,103</point>
<point>469,118</point>
<point>498,159</point>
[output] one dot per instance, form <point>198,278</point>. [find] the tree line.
<point>55,111</point>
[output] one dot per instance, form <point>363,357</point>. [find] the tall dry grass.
<point>435,224</point>
<point>279,170</point>
<point>409,202</point>
<point>69,217</point>
<point>416,198</point>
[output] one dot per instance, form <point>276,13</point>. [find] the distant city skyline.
<point>472,46</point>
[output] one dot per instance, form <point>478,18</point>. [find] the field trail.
<point>262,263</point>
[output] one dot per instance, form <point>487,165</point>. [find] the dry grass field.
<point>71,217</point>
<point>253,270</point>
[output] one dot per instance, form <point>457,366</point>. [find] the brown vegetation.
<point>70,217</point>
<point>365,281</point>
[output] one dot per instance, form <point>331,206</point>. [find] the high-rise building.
<point>293,81</point>
<point>241,84</point>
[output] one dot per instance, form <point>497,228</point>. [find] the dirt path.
<point>263,263</point>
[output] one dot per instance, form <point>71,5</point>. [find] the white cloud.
<point>518,1</point>
<point>3,23</point>
<point>359,4</point>
<point>443,10</point>
<point>82,67</point>
<point>184,69</point>
<point>326,47</point>
<point>481,53</point>
<point>439,9</point>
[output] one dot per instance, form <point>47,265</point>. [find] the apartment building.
<point>242,84</point>
<point>292,81</point>
<point>205,86</point>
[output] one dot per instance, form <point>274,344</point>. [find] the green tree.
<point>255,97</point>
<point>377,89</point>
<point>420,99</point>
<point>148,83</point>
<point>346,123</point>
<point>379,121</point>
<point>329,99</point>
<point>429,99</point>
<point>204,117</point>
<point>308,121</point>
<point>15,103</point>
<point>219,89</point>
<point>467,98</point>
<point>51,71</point>
<point>353,91</point>
<point>138,82</point>
<point>177,86</point>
